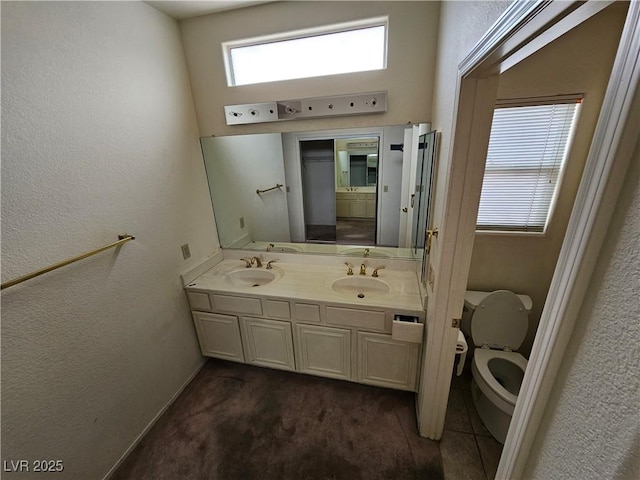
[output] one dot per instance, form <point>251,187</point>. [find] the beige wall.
<point>413,28</point>
<point>578,62</point>
<point>99,137</point>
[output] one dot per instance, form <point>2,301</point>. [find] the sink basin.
<point>253,277</point>
<point>360,287</point>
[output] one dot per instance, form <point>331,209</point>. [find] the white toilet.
<point>497,324</point>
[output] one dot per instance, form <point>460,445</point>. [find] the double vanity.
<point>287,313</point>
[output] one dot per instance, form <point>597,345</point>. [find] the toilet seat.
<point>500,321</point>
<point>489,384</point>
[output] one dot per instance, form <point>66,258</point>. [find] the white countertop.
<point>313,283</point>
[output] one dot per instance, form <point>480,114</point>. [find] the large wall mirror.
<point>343,192</point>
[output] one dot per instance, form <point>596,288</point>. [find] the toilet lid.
<point>500,321</point>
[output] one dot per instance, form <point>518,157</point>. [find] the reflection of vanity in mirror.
<point>344,192</point>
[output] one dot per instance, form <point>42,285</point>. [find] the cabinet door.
<point>268,343</point>
<point>323,351</point>
<point>386,362</point>
<point>358,208</point>
<point>343,207</point>
<point>219,335</point>
<point>370,208</point>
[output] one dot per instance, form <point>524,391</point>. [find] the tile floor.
<point>468,450</point>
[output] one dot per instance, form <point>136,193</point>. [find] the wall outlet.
<point>186,253</point>
<point>241,222</point>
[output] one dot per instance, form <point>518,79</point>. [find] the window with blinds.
<point>527,149</point>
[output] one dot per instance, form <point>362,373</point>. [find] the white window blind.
<point>527,148</point>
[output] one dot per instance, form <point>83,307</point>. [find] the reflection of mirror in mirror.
<point>253,212</point>
<point>423,193</point>
<point>356,162</point>
<point>424,177</point>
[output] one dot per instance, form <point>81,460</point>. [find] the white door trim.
<point>523,29</point>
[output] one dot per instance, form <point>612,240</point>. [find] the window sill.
<point>503,233</point>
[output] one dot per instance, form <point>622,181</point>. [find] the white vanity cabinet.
<point>328,339</point>
<point>355,204</point>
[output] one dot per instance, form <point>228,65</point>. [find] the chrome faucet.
<point>375,272</point>
<point>363,269</point>
<point>350,268</point>
<point>257,261</point>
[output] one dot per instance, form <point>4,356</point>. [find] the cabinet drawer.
<point>229,303</point>
<point>352,317</point>
<point>199,301</point>
<point>277,308</point>
<point>307,313</point>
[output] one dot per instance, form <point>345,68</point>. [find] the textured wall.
<point>412,38</point>
<point>99,137</point>
<point>591,428</point>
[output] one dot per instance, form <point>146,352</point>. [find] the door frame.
<point>524,28</point>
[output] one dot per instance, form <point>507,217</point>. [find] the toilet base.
<point>494,419</point>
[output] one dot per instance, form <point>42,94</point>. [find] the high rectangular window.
<point>527,149</point>
<point>343,48</point>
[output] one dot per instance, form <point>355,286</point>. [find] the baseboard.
<point>153,421</point>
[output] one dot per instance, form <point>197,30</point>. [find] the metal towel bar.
<point>278,185</point>
<point>122,239</point>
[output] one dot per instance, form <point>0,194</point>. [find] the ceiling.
<point>187,9</point>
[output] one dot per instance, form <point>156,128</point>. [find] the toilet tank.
<point>473,298</point>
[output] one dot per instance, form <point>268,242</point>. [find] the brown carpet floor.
<point>235,421</point>
<point>359,231</point>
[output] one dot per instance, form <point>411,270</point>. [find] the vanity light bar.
<point>333,106</point>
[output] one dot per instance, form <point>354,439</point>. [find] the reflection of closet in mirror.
<point>317,162</point>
